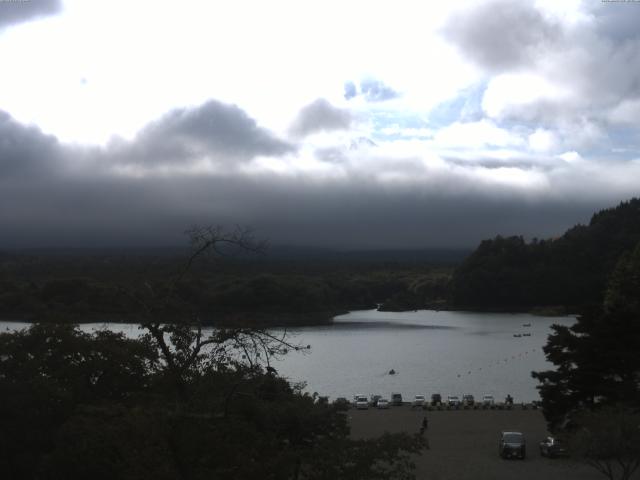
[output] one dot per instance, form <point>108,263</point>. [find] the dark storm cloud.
<point>25,150</point>
<point>12,12</point>
<point>320,116</point>
<point>219,132</point>
<point>377,91</point>
<point>154,211</point>
<point>502,34</point>
<point>56,195</point>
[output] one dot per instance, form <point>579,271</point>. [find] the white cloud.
<point>516,95</point>
<point>542,140</point>
<point>474,135</point>
<point>571,157</point>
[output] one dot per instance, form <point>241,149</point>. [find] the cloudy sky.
<point>358,124</point>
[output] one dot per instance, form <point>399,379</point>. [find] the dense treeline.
<point>567,272</point>
<point>79,288</point>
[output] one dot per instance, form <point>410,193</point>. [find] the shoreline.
<point>270,319</point>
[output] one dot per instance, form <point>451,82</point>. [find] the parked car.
<point>512,445</point>
<point>419,401</point>
<point>382,403</point>
<point>488,401</point>
<point>553,447</point>
<point>374,399</point>
<point>396,399</point>
<point>468,400</point>
<point>361,402</point>
<point>436,399</point>
<point>453,401</point>
<point>341,403</point>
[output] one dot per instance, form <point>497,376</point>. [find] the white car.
<point>453,401</point>
<point>382,403</point>
<point>418,401</point>
<point>488,401</point>
<point>361,402</point>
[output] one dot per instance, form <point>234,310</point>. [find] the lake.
<point>451,353</point>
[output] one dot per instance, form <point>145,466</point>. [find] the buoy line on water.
<point>499,362</point>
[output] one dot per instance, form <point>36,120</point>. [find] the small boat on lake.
<point>526,324</point>
<point>392,372</point>
<point>517,335</point>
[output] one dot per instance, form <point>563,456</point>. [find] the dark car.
<point>341,403</point>
<point>553,447</point>
<point>396,399</point>
<point>436,399</point>
<point>512,445</point>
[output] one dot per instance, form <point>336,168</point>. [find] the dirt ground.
<point>464,443</point>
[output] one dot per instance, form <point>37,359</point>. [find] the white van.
<point>361,402</point>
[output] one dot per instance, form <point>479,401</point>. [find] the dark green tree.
<point>570,272</point>
<point>597,359</point>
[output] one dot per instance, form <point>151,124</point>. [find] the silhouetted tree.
<point>597,359</point>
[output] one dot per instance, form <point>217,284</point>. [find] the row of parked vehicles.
<point>361,402</point>
<point>420,401</point>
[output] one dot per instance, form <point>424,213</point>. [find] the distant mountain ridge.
<point>570,271</point>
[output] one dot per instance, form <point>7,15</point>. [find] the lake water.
<point>452,353</point>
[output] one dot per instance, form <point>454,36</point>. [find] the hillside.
<point>568,272</point>
<point>283,287</point>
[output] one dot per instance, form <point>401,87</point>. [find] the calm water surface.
<point>452,353</point>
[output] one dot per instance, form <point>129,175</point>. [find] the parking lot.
<point>464,443</point>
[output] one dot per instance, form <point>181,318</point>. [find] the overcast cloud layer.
<point>497,117</point>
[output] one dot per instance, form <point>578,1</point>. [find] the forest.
<point>296,287</point>
<point>267,288</point>
<point>563,275</point>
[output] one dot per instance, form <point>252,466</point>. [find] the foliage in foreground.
<point>608,439</point>
<point>78,405</point>
<point>593,395</point>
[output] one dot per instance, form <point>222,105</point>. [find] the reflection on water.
<point>346,324</point>
<point>452,353</point>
